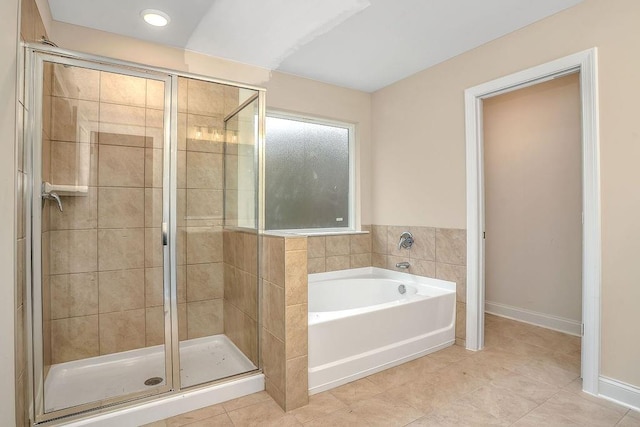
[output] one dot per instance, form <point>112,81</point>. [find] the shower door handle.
<point>165,238</point>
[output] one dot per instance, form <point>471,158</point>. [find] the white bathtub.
<point>359,322</point>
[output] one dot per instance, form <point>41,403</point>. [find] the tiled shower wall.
<point>240,296</point>
<point>105,251</point>
<point>285,324</point>
<point>437,252</point>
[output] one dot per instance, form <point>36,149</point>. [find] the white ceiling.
<point>360,44</point>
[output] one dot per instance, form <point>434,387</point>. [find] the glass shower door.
<point>217,282</point>
<point>100,202</point>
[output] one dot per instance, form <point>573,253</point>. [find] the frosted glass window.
<point>307,174</point>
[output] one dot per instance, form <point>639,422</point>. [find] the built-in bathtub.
<point>361,322</point>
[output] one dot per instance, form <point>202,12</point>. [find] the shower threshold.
<point>104,377</point>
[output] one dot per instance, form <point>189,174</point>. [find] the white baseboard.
<point>619,392</point>
<point>548,321</point>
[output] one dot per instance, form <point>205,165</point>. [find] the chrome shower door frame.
<point>35,57</point>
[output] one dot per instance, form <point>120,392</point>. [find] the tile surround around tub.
<point>437,252</point>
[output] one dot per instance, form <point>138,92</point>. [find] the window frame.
<point>352,225</point>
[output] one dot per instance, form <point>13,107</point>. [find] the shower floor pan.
<point>103,377</point>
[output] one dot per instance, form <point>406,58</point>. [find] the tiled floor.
<point>526,376</point>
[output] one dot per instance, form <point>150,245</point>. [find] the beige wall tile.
<point>250,252</point>
<point>379,239</point>
<point>393,238</point>
<point>204,170</point>
<point>360,244</point>
<point>379,260</point>
<point>182,322</point>
<point>275,246</point>
<point>316,265</point>
<point>204,207</point>
<point>153,285</point>
<point>120,207</point>
<point>76,82</point>
<point>73,163</point>
<point>152,207</point>
<point>316,247</point>
<point>204,281</point>
<point>454,273</point>
<point>297,394</point>
<point>204,244</point>
<point>125,120</point>
<point>296,277</point>
<point>153,166</point>
<point>337,245</point>
<point>423,268</point>
<point>121,166</point>
<point>121,290</point>
<point>360,260</point>
<point>154,128</point>
<point>181,208</point>
<point>276,394</point>
<point>205,133</point>
<point>295,244</point>
<point>335,263</point>
<point>296,342</point>
<point>273,306</point>
<point>155,94</point>
<point>273,359</point>
<point>121,249</point>
<point>183,94</point>
<point>78,212</point>
<point>122,331</point>
<point>73,251</point>
<point>393,260</point>
<point>249,299</point>
<point>122,89</point>
<point>74,338</point>
<point>153,249</point>
<point>204,318</point>
<point>424,243</point>
<point>73,295</point>
<point>28,20</point>
<point>70,115</point>
<point>205,98</point>
<point>154,326</point>
<point>451,246</point>
<point>461,320</point>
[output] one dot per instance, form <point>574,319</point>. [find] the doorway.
<point>585,64</point>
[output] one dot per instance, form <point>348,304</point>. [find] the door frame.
<point>585,63</point>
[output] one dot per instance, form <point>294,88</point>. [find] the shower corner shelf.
<point>66,190</point>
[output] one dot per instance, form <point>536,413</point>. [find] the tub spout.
<point>403,265</point>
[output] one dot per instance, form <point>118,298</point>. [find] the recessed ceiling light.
<point>157,18</point>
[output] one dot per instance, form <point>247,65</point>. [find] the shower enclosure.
<point>144,230</point>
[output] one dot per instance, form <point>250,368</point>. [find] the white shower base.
<point>104,377</point>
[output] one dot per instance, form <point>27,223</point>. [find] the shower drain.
<point>153,381</point>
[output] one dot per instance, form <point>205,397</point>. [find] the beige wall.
<point>285,92</point>
<point>419,123</point>
<point>533,198</point>
<point>8,303</point>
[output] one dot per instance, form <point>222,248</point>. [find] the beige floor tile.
<point>341,418</point>
<point>547,373</point>
<point>451,354</point>
<point>542,417</point>
<point>526,387</point>
<point>419,368</point>
<point>629,421</point>
<point>193,416</point>
<point>356,391</point>
<point>218,420</point>
<point>582,411</point>
<point>634,414</point>
<point>161,423</point>
<point>241,402</point>
<point>379,411</point>
<point>320,405</point>
<point>499,402</point>
<point>266,413</point>
<point>459,414</point>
